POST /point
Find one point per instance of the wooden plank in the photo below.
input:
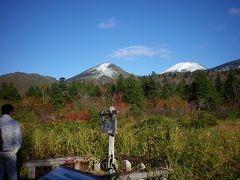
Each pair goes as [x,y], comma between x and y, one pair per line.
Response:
[52,162]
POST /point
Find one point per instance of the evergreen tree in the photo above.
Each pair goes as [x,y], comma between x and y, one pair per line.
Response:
[203,93]
[132,92]
[219,86]
[181,88]
[30,91]
[9,92]
[151,88]
[168,90]
[34,92]
[111,88]
[63,87]
[121,84]
[231,87]
[73,90]
[3,90]
[56,95]
[95,91]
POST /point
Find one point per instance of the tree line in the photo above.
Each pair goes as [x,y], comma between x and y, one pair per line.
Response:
[204,93]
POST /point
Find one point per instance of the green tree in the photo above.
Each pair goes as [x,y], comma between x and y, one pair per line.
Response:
[63,88]
[121,84]
[231,87]
[95,90]
[151,88]
[30,91]
[73,90]
[168,90]
[9,92]
[202,92]
[181,88]
[111,88]
[3,90]
[220,86]
[132,91]
[56,95]
[34,92]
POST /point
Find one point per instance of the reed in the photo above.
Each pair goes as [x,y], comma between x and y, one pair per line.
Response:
[203,153]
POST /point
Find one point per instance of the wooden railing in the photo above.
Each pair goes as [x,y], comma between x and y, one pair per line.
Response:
[161,172]
[33,164]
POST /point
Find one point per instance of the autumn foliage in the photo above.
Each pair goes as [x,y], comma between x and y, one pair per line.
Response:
[78,115]
[119,104]
[174,106]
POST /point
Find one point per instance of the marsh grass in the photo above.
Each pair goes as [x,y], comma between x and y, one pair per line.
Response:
[193,153]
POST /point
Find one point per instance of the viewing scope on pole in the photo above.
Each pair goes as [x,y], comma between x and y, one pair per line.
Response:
[109,126]
[109,120]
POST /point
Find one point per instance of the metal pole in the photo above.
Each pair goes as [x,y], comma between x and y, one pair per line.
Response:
[111,151]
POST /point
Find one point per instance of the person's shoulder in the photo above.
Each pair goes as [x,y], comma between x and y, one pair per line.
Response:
[14,122]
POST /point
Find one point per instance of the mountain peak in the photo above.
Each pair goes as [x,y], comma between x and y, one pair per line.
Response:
[104,70]
[185,67]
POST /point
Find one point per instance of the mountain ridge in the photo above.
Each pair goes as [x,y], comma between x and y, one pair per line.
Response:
[23,81]
[231,65]
[102,72]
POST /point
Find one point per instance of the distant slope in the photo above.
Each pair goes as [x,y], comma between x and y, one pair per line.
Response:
[184,67]
[22,81]
[100,72]
[232,65]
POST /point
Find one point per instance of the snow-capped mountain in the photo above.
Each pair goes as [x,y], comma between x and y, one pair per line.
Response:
[228,66]
[184,67]
[101,71]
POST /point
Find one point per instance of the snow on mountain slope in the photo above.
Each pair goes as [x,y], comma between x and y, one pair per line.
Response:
[184,67]
[102,70]
[105,70]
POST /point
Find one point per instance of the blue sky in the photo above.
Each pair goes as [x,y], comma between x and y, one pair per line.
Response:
[62,38]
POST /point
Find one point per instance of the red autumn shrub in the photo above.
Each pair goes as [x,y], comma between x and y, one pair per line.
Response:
[78,115]
[174,106]
[118,103]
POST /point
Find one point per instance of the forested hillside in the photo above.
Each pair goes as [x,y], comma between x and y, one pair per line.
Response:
[23,81]
[199,91]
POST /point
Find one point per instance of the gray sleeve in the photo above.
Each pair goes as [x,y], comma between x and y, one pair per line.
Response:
[17,138]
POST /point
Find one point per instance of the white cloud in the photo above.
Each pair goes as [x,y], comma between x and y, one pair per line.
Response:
[141,51]
[234,11]
[108,23]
